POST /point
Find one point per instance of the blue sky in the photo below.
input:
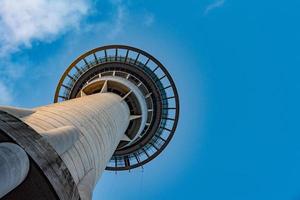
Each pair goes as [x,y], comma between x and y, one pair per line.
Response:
[236,66]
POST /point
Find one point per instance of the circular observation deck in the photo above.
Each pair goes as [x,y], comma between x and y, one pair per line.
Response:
[143,82]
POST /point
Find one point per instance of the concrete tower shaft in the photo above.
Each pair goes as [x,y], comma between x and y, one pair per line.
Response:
[87,128]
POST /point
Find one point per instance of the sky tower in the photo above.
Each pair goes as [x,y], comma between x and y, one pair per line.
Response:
[115,107]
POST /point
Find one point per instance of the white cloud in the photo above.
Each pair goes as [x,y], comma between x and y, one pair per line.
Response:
[5,94]
[214,5]
[25,21]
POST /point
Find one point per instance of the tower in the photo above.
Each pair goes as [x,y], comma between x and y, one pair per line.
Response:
[115,107]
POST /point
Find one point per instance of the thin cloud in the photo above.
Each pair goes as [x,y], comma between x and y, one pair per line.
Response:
[26,21]
[118,21]
[6,96]
[214,5]
[149,19]
[10,73]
